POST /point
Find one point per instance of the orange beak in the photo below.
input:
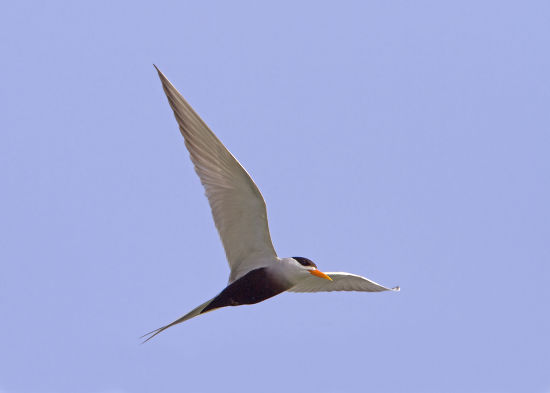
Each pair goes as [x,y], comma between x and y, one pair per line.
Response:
[319,274]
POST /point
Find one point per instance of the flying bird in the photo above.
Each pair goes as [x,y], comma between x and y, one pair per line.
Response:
[240,216]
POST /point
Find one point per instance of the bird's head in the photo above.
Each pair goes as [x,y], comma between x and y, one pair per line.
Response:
[309,266]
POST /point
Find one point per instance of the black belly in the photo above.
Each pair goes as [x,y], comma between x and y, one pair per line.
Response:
[253,287]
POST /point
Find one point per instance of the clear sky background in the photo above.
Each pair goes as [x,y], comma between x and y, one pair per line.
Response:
[405,141]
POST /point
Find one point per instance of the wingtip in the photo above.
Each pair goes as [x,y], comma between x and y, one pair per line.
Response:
[396,289]
[162,77]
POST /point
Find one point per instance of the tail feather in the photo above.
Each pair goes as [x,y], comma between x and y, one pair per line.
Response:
[193,313]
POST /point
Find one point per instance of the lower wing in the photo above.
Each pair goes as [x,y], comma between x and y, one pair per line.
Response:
[341,281]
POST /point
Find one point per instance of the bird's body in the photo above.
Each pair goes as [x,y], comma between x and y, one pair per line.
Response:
[239,212]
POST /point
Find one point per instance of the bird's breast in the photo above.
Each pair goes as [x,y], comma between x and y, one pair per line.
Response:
[254,287]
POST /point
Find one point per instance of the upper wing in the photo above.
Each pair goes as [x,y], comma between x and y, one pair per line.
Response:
[340,282]
[237,205]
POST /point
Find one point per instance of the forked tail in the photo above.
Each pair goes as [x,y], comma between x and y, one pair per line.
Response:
[193,313]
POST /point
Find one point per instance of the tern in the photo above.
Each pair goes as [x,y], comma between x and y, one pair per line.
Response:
[240,216]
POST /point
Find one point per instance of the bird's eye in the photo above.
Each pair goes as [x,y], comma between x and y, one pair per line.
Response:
[305,262]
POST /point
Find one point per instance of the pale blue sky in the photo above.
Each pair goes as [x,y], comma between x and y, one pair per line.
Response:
[405,141]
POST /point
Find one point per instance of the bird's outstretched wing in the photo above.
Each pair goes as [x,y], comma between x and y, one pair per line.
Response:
[237,205]
[340,282]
